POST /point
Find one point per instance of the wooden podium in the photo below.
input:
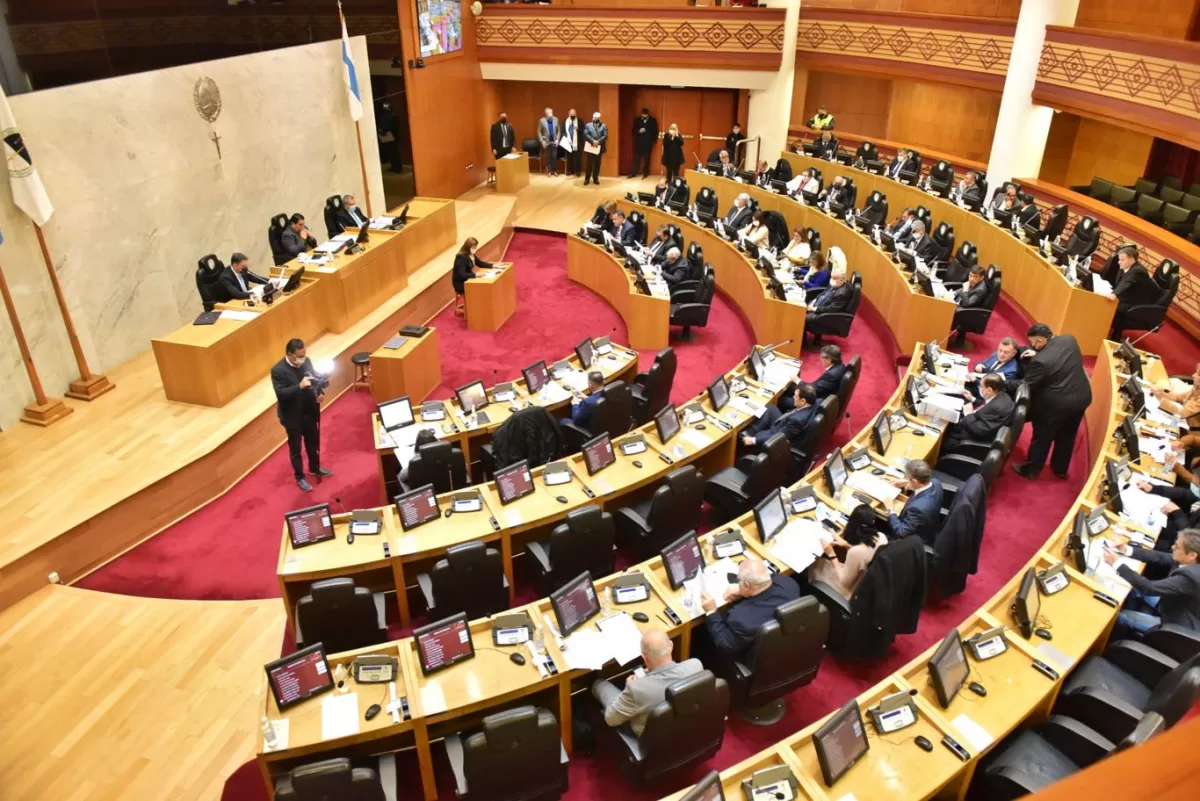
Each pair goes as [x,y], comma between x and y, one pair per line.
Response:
[413,369]
[491,300]
[512,173]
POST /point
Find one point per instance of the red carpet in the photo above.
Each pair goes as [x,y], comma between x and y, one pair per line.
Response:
[229,549]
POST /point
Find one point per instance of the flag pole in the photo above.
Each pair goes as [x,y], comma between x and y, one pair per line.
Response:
[43,411]
[362,165]
[351,74]
[89,386]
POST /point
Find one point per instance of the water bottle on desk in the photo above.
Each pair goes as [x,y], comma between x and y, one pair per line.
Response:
[268,732]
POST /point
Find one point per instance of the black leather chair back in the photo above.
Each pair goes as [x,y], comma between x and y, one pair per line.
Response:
[470,579]
[686,728]
[533,147]
[708,285]
[329,779]
[830,409]
[695,257]
[656,389]
[517,755]
[995,285]
[1084,238]
[867,152]
[768,469]
[814,239]
[275,238]
[960,266]
[1167,270]
[675,507]
[638,220]
[333,204]
[785,654]
[1175,693]
[783,170]
[849,382]
[680,193]
[941,177]
[851,193]
[675,235]
[706,202]
[613,413]
[339,614]
[440,464]
[778,227]
[875,210]
[208,274]
[583,543]
[1056,223]
[943,236]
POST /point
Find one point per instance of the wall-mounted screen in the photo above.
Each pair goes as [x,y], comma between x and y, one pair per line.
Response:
[439,24]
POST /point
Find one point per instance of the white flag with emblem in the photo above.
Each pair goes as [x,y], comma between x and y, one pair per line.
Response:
[28,192]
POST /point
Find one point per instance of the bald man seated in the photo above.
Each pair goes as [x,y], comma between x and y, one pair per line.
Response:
[754,600]
[642,693]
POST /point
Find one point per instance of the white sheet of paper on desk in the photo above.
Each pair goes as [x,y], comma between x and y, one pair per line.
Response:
[747,407]
[697,438]
[975,735]
[1143,508]
[941,407]
[623,637]
[230,314]
[874,486]
[586,649]
[576,380]
[552,393]
[433,698]
[716,577]
[511,156]
[1101,286]
[339,715]
[779,373]
[797,546]
[512,517]
[1154,447]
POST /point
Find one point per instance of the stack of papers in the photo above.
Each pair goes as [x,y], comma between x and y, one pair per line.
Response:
[941,407]
[799,544]
[551,393]
[780,372]
[748,407]
[1156,448]
[229,314]
[1143,508]
[1101,286]
[586,649]
[622,637]
[339,715]
[380,223]
[872,485]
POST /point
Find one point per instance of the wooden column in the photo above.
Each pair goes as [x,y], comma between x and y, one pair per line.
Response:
[610,115]
[43,411]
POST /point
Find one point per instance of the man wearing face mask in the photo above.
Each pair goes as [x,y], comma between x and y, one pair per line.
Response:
[298,391]
[350,215]
[596,135]
[502,137]
[571,130]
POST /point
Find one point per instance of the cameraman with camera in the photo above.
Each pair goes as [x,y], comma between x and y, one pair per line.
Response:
[298,389]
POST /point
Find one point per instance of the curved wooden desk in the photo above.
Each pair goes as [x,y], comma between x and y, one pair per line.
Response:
[647,318]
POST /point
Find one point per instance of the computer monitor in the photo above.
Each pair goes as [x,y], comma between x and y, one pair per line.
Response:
[1077,541]
[417,508]
[1132,390]
[707,789]
[926,284]
[585,352]
[948,668]
[718,393]
[757,369]
[575,603]
[444,643]
[1129,436]
[472,396]
[299,676]
[293,282]
[536,376]
[682,559]
[1027,603]
[666,423]
[1133,360]
[514,482]
[1113,483]
[364,235]
[395,413]
[929,357]
[835,472]
[309,525]
[841,742]
[770,515]
[881,433]
[912,396]
[598,454]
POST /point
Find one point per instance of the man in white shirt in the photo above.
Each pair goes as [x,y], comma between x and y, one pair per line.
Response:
[804,182]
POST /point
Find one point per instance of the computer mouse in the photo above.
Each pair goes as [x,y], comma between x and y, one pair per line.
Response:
[701,427]
[641,617]
[561,498]
[516,658]
[918,432]
[878,471]
[923,743]
[513,409]
[1044,634]
[448,512]
[636,463]
[977,688]
[373,710]
[350,538]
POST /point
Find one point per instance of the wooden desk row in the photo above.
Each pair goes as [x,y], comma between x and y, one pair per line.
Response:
[209,365]
[1016,693]
[646,317]
[1032,281]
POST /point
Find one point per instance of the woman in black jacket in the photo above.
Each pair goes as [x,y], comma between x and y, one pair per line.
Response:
[465,262]
[672,151]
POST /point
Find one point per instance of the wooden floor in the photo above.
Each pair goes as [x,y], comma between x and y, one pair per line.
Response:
[112,697]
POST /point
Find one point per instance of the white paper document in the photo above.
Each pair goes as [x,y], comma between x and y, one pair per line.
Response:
[588,147]
[799,544]
[575,379]
[1156,448]
[566,145]
[511,156]
[244,316]
[874,486]
[551,393]
[623,637]
[433,699]
[339,715]
[975,735]
[780,372]
[586,649]
[748,407]
[1143,508]
[697,438]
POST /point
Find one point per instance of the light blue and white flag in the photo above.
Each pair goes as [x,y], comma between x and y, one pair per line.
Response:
[27,190]
[349,73]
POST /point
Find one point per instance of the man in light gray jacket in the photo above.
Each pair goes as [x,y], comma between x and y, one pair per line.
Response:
[549,133]
[594,133]
[641,694]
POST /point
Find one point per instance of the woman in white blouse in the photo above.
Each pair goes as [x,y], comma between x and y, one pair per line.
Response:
[798,250]
[756,233]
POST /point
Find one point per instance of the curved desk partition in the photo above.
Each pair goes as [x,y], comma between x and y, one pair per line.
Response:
[645,316]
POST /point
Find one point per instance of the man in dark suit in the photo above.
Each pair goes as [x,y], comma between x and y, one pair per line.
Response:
[969,193]
[1059,393]
[1182,507]
[827,147]
[595,133]
[731,141]
[1135,287]
[973,294]
[793,424]
[659,245]
[837,195]
[502,137]
[298,391]
[899,164]
[1003,362]
[675,268]
[901,229]
[582,405]
[921,512]
[350,215]
[739,214]
[235,280]
[921,244]
[981,420]
[1174,600]
[754,600]
[834,300]
[1029,214]
[296,239]
[626,232]
[827,383]
[645,134]
[724,165]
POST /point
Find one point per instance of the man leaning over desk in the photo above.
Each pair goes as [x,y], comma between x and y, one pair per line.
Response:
[754,600]
[582,405]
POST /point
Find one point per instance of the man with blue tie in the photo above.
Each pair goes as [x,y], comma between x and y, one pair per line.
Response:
[794,424]
[350,215]
[920,516]
[898,165]
[581,406]
[1003,362]
[901,230]
[548,131]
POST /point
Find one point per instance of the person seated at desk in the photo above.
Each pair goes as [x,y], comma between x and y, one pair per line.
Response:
[660,192]
[798,251]
[921,511]
[837,297]
[819,271]
[1174,600]
[981,420]
[1029,214]
[1006,205]
[642,693]
[725,167]
[902,163]
[1135,287]
[1003,362]
[623,230]
[793,424]
[804,182]
[835,196]
[739,213]
[424,437]
[764,175]
[921,244]
[968,192]
[465,262]
[756,233]
[755,598]
[1182,404]
[675,268]
[974,293]
[822,120]
[659,245]
[296,239]
[236,279]
[832,371]
[901,229]
[350,215]
[602,218]
[826,147]
[582,405]
[1182,507]
[860,541]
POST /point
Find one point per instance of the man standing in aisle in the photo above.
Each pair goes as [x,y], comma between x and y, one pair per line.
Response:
[548,133]
[595,134]
[502,137]
[645,134]
[1059,394]
[298,390]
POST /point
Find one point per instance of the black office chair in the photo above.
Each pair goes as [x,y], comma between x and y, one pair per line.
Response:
[695,259]
[533,148]
[1085,238]
[675,235]
[584,543]
[1099,188]
[911,175]
[689,290]
[333,204]
[652,389]
[941,178]
[336,778]
[275,238]
[612,415]
[1165,273]
[867,152]
[874,212]
[686,728]
[943,237]
[954,554]
[1033,759]
[975,320]
[955,469]
[638,220]
[814,239]
[1056,223]
[849,382]
[695,312]
[340,615]
[836,323]
[680,195]
[532,434]
[777,225]
[517,755]
[783,170]
[802,454]
[673,510]
[829,410]
[208,275]
[734,490]
[706,205]
[470,579]
[440,464]
[924,215]
[1149,316]
[785,654]
[848,199]
[959,267]
[981,182]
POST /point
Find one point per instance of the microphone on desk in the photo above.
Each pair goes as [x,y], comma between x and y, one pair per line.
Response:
[1153,330]
[338,501]
[771,348]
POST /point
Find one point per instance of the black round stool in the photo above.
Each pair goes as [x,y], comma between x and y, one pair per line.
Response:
[362,370]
